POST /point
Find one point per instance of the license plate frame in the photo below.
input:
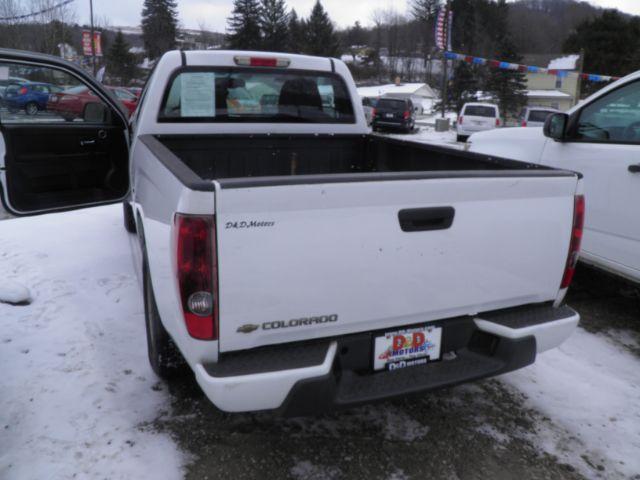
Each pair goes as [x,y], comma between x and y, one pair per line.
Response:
[385,357]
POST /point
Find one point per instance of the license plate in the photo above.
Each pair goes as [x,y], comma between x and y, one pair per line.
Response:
[407,348]
[389,115]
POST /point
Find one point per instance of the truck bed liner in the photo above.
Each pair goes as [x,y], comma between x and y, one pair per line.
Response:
[289,159]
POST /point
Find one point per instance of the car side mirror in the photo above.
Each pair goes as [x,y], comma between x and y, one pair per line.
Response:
[555,126]
[95,112]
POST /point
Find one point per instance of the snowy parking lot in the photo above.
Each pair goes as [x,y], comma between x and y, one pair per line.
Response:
[78,399]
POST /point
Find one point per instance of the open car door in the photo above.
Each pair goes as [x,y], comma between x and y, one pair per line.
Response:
[69,152]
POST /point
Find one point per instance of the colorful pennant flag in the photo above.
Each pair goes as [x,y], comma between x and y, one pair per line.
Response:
[522,68]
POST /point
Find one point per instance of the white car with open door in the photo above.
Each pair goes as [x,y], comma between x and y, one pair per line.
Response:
[295,261]
[600,139]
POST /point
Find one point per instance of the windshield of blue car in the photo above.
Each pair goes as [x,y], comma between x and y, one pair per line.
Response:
[256,95]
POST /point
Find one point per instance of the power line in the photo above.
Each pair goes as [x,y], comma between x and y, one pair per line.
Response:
[35,14]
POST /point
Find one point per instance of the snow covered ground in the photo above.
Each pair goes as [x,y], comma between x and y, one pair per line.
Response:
[77,398]
[427,134]
[76,391]
[589,388]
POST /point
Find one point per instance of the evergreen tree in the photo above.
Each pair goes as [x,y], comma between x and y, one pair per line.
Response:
[274,22]
[296,33]
[321,38]
[506,86]
[611,44]
[464,86]
[120,62]
[425,10]
[159,26]
[244,26]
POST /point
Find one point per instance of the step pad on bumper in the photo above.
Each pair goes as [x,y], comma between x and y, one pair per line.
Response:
[527,315]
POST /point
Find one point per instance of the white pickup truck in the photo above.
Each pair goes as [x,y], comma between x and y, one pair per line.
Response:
[600,138]
[294,260]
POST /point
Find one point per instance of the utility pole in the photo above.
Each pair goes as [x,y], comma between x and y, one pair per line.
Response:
[580,67]
[93,43]
[445,76]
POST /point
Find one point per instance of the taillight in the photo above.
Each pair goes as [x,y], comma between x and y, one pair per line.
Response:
[524,123]
[576,240]
[406,114]
[460,120]
[262,61]
[373,113]
[196,269]
[23,91]
[497,122]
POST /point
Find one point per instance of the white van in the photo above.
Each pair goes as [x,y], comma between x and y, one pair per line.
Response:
[535,116]
[477,117]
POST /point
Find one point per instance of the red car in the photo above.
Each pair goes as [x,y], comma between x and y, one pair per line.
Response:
[128,99]
[70,103]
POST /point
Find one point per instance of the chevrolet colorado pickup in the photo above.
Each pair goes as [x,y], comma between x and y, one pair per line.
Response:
[293,259]
[600,138]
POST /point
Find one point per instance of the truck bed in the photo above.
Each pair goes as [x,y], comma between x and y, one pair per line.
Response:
[368,233]
[248,158]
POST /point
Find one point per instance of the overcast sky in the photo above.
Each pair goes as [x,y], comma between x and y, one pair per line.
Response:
[213,13]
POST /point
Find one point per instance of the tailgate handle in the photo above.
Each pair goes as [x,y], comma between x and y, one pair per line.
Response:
[426,219]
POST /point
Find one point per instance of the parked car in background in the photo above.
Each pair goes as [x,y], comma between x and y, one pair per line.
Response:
[535,116]
[128,99]
[70,104]
[31,97]
[369,107]
[4,83]
[137,91]
[600,138]
[394,114]
[477,117]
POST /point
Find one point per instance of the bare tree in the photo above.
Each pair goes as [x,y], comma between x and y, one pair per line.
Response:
[10,32]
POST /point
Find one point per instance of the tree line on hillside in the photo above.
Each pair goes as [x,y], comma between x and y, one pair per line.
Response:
[268,25]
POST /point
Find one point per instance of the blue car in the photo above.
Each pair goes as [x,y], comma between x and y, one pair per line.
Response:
[31,97]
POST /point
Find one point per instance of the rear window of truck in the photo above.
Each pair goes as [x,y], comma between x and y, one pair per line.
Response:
[256,95]
[479,111]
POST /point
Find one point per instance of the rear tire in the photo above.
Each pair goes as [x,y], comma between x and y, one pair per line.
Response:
[31,108]
[127,214]
[164,357]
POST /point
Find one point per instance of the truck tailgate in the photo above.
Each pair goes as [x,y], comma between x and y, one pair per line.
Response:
[298,262]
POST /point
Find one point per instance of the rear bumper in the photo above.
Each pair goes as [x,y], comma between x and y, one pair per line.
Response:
[392,123]
[314,377]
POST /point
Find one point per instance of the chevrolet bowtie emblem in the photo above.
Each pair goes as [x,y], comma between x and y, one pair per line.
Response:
[248,328]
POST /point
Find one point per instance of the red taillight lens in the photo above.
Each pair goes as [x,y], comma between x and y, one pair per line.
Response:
[263,62]
[524,123]
[497,122]
[576,240]
[373,113]
[197,274]
[406,115]
[23,91]
[460,120]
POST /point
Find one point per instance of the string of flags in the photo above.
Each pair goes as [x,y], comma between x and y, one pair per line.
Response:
[524,68]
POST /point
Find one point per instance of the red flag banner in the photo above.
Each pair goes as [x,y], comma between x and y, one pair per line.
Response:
[86,43]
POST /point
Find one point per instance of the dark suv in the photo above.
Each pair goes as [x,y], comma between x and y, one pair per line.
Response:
[394,113]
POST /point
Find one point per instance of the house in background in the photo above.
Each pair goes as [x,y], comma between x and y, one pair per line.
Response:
[556,91]
[420,93]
